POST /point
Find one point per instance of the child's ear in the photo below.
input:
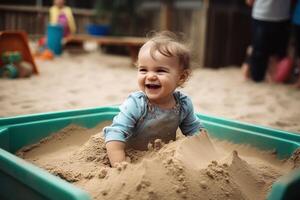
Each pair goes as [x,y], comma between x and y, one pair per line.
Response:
[183,77]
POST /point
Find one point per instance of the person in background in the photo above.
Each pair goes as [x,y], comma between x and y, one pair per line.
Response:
[157,110]
[62,15]
[270,35]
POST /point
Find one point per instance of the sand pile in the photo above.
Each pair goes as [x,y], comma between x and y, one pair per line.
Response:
[189,168]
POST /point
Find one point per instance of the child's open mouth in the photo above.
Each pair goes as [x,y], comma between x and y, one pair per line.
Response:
[153,86]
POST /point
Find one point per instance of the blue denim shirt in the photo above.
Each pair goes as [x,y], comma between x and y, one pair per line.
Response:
[140,122]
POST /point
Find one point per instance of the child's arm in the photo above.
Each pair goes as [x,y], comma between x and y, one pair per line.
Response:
[190,124]
[115,152]
[71,21]
[122,127]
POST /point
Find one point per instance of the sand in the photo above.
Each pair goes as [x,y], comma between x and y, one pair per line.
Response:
[94,79]
[188,168]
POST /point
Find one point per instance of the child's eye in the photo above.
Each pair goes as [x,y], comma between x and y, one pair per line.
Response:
[142,70]
[161,71]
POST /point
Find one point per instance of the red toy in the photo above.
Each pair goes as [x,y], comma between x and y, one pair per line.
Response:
[42,41]
[283,70]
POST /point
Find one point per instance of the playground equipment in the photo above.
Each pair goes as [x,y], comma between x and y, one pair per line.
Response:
[32,182]
[14,47]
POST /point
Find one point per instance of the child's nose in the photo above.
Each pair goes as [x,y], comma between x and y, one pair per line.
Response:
[151,76]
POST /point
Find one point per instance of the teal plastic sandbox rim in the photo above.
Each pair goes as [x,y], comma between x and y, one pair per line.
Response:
[284,142]
[32,182]
[11,130]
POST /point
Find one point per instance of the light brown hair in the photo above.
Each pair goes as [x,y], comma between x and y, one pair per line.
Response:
[168,44]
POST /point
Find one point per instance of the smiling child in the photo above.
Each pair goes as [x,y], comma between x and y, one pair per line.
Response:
[157,110]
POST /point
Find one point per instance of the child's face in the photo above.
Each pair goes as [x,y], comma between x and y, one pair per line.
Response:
[159,77]
[59,3]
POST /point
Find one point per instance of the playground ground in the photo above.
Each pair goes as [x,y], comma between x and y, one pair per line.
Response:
[78,81]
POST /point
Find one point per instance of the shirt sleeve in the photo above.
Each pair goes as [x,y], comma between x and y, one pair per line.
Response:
[124,123]
[190,123]
[53,15]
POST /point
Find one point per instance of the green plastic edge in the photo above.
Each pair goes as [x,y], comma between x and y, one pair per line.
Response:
[286,188]
[52,115]
[39,179]
[9,163]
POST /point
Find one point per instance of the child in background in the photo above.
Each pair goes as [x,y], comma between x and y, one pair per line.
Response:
[61,14]
[157,110]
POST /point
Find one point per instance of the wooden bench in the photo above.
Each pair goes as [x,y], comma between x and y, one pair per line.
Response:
[132,43]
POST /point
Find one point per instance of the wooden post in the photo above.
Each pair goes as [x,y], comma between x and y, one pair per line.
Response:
[166,12]
[203,31]
[198,33]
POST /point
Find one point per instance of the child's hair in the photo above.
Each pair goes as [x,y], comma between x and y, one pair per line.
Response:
[168,44]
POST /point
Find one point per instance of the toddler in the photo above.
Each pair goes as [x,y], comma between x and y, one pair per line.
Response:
[157,110]
[62,15]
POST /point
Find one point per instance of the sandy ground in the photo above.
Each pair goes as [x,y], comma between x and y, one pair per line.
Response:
[95,79]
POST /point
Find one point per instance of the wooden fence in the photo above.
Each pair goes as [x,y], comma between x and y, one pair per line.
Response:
[228,34]
[34,20]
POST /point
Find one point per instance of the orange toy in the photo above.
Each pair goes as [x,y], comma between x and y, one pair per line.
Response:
[46,55]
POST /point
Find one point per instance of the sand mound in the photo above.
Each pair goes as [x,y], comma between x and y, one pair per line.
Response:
[189,168]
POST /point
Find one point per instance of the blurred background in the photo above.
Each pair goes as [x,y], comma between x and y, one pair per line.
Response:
[220,30]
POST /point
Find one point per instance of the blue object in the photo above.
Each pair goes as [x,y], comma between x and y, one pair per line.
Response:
[98,30]
[296,14]
[54,38]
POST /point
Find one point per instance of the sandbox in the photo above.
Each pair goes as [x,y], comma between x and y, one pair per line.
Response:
[22,180]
